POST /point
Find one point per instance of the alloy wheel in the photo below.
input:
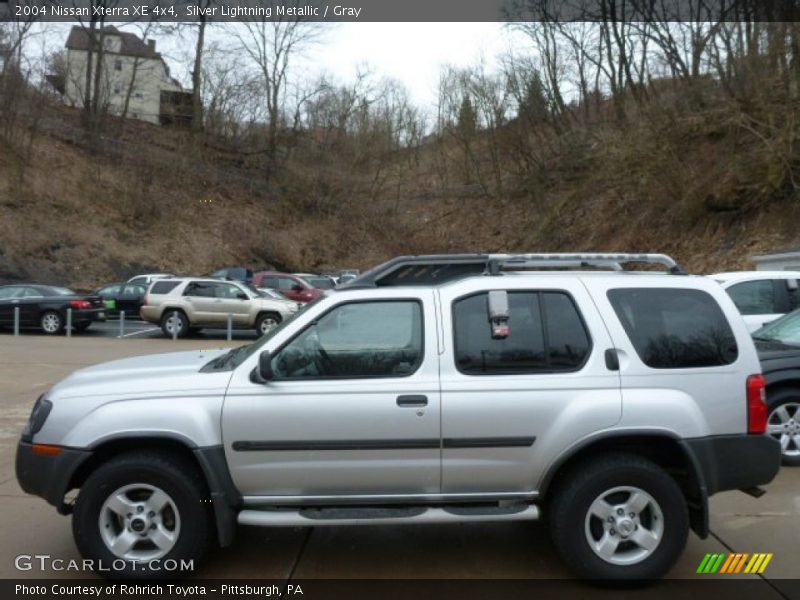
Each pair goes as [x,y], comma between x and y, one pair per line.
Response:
[624,525]
[784,425]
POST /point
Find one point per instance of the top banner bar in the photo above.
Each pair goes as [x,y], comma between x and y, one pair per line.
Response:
[123,11]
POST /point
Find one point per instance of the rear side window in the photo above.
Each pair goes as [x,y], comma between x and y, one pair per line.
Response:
[163,287]
[754,297]
[675,328]
[546,335]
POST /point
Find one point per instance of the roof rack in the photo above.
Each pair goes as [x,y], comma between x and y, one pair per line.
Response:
[434,269]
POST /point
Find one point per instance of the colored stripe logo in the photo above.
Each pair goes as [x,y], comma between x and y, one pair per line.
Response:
[732,564]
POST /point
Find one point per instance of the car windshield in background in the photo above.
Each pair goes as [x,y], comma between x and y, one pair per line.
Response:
[321,283]
[785,330]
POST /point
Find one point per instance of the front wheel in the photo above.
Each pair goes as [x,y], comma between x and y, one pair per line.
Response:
[141,515]
[619,517]
[783,424]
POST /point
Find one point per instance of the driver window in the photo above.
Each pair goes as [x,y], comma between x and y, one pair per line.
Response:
[364,339]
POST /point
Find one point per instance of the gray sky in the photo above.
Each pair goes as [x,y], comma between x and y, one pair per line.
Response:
[412,53]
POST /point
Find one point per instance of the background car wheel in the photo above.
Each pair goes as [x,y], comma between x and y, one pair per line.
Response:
[51,322]
[783,424]
[618,517]
[266,322]
[81,327]
[141,507]
[174,321]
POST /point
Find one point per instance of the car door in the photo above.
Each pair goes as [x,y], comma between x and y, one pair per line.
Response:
[758,301]
[201,298]
[353,408]
[511,403]
[30,301]
[130,299]
[8,300]
[231,300]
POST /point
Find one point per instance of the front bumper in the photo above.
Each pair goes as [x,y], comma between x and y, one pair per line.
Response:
[48,476]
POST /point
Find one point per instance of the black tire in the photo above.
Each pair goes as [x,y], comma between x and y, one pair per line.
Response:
[790,399]
[265,318]
[51,322]
[181,320]
[81,327]
[175,476]
[575,493]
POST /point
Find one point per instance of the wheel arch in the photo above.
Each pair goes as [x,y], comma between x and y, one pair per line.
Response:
[667,451]
[209,460]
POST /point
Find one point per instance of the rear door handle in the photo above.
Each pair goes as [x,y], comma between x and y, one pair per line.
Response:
[412,400]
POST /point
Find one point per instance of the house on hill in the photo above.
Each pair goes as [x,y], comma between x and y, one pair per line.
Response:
[135,81]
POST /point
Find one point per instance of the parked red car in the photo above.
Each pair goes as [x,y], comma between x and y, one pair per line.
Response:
[291,286]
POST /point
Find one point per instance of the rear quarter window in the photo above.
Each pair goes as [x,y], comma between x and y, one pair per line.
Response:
[675,328]
[163,287]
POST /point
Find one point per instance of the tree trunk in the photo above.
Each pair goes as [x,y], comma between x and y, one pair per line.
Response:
[197,73]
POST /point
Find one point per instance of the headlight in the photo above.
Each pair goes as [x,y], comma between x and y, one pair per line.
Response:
[41,409]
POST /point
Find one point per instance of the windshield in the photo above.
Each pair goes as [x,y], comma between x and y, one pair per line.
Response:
[321,283]
[233,358]
[785,330]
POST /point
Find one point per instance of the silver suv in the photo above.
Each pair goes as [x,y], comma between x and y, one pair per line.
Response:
[432,389]
[185,305]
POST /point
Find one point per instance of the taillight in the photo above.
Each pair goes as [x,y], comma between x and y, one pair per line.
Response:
[756,404]
[80,304]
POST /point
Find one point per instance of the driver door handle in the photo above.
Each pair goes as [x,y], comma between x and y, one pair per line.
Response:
[412,400]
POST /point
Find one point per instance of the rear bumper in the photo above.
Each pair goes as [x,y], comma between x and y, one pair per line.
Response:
[732,462]
[48,476]
[150,314]
[89,315]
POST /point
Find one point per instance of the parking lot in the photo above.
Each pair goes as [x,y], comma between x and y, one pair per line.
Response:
[30,364]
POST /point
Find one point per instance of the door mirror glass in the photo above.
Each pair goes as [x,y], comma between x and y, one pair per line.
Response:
[241,296]
[297,287]
[265,366]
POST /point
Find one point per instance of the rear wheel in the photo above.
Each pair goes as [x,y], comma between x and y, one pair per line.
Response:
[783,424]
[174,322]
[51,322]
[266,322]
[138,508]
[619,517]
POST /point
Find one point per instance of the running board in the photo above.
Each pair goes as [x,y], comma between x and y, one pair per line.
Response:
[319,517]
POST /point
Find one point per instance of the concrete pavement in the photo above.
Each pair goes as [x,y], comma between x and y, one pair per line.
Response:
[31,364]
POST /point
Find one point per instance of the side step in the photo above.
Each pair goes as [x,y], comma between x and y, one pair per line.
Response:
[319,517]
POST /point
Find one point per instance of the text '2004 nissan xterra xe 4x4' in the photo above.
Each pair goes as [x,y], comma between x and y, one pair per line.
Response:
[432,389]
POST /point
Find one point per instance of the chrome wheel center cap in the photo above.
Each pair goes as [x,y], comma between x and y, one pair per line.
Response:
[625,527]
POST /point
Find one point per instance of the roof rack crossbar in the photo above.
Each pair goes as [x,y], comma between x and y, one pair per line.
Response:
[493,264]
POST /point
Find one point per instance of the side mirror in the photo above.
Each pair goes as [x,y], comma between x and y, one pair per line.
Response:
[241,296]
[791,284]
[499,314]
[265,366]
[297,287]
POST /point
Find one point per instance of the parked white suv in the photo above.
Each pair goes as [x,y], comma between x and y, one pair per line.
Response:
[182,305]
[761,296]
[432,389]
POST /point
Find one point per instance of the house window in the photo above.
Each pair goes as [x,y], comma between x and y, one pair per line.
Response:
[118,65]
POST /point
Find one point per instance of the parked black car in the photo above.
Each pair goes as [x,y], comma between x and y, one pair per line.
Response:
[45,307]
[238,273]
[123,296]
[778,345]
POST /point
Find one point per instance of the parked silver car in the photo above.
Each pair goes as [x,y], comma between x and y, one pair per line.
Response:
[433,389]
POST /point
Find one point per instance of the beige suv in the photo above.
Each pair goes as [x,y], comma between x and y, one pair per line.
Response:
[184,305]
